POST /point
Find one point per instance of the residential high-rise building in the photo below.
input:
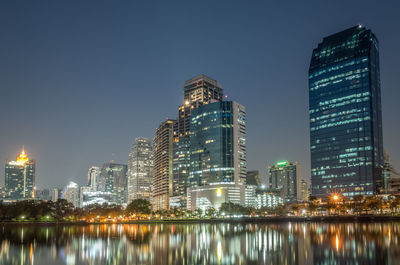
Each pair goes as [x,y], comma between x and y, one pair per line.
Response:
[286,177]
[20,178]
[162,170]
[71,193]
[94,178]
[217,147]
[115,181]
[198,91]
[305,191]
[140,170]
[345,114]
[55,194]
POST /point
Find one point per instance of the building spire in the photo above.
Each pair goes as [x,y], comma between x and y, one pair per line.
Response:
[22,158]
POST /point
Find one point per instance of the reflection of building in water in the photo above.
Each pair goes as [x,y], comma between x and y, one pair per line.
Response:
[354,243]
[228,244]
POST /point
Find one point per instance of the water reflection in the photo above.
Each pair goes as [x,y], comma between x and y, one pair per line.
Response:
[286,243]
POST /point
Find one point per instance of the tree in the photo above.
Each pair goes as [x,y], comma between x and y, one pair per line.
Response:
[138,206]
[296,208]
[357,203]
[313,204]
[373,203]
[395,203]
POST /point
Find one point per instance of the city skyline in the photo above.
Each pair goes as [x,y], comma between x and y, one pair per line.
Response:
[65,136]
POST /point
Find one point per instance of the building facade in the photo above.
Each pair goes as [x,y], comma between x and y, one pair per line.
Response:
[94,177]
[267,198]
[42,194]
[55,194]
[113,176]
[20,178]
[286,176]
[71,194]
[389,174]
[218,146]
[214,195]
[162,170]
[140,170]
[198,91]
[345,114]
[253,178]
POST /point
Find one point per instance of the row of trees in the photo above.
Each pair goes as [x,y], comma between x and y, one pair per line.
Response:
[62,210]
[343,205]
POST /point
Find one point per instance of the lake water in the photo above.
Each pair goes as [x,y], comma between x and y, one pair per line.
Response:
[283,243]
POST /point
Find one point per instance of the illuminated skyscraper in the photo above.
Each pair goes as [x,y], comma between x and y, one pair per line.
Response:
[217,152]
[286,177]
[345,114]
[162,171]
[140,168]
[20,178]
[218,144]
[198,91]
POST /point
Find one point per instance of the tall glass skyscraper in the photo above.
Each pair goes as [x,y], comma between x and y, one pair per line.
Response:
[218,144]
[345,114]
[140,168]
[115,181]
[217,171]
[198,91]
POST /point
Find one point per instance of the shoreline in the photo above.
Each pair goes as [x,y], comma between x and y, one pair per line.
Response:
[248,220]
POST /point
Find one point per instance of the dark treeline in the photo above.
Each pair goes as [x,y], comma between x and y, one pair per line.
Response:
[62,210]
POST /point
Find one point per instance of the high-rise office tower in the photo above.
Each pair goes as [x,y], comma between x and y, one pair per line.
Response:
[218,144]
[115,181]
[217,152]
[140,170]
[20,178]
[94,178]
[162,170]
[198,91]
[286,177]
[345,114]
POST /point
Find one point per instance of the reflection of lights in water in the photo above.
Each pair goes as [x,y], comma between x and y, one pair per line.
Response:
[31,254]
[219,251]
[337,243]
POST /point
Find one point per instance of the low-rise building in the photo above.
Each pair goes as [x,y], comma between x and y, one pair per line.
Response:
[214,195]
[268,198]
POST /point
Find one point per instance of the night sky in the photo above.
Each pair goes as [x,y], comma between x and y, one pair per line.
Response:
[80,80]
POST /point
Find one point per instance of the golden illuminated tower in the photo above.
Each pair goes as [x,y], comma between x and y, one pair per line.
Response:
[20,178]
